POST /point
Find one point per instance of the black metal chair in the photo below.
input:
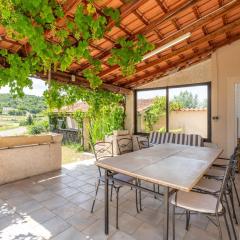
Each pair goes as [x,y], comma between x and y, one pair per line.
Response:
[125,145]
[103,150]
[143,142]
[217,173]
[203,203]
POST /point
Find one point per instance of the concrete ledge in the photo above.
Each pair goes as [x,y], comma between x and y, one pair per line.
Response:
[21,158]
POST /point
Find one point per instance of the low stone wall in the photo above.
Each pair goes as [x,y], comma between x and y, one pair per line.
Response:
[26,156]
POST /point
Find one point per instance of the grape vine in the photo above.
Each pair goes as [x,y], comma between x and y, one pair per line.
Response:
[53,47]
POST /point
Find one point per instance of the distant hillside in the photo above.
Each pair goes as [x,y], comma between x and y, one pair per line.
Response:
[29,103]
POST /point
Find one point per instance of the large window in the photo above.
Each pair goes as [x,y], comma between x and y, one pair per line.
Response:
[180,109]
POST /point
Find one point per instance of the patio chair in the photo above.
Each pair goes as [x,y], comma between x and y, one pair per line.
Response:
[101,151]
[203,203]
[125,145]
[217,173]
[143,142]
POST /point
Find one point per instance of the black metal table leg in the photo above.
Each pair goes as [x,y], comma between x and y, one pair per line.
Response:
[166,213]
[106,204]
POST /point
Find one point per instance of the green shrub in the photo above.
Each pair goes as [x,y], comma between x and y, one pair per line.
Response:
[38,128]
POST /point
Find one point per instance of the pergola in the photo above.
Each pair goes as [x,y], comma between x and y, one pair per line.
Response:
[211,24]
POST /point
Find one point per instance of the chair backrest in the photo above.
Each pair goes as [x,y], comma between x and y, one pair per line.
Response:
[125,145]
[224,184]
[102,150]
[143,142]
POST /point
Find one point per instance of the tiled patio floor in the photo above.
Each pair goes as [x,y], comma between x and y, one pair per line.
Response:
[57,206]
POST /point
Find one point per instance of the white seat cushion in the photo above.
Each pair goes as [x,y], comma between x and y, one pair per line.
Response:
[214,172]
[221,162]
[209,185]
[198,202]
[123,177]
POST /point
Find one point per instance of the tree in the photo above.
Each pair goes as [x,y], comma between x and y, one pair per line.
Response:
[187,100]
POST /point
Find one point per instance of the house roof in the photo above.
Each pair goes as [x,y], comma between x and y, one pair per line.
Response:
[76,106]
[212,24]
[143,104]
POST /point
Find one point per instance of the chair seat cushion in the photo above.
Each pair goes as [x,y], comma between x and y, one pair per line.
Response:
[123,177]
[221,162]
[198,202]
[209,185]
[214,172]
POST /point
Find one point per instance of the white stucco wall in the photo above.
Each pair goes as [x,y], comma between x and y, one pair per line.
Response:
[223,71]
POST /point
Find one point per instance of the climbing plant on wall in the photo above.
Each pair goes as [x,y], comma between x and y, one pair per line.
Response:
[54,46]
[105,113]
[157,110]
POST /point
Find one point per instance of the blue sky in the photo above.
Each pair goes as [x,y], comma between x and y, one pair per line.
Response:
[38,88]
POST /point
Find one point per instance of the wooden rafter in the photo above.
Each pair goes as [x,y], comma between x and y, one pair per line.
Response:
[210,23]
[189,28]
[160,72]
[150,27]
[80,81]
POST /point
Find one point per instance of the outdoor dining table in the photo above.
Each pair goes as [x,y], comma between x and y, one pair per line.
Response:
[171,166]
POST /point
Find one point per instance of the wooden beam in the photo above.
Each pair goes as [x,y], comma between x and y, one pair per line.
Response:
[142,80]
[127,9]
[80,81]
[180,68]
[161,71]
[189,28]
[187,47]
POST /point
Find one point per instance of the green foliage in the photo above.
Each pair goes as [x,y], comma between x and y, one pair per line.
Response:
[38,127]
[187,100]
[34,20]
[29,119]
[27,103]
[114,14]
[105,112]
[16,112]
[129,54]
[158,109]
[78,117]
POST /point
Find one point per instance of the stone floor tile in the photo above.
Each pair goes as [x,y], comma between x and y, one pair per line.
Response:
[96,231]
[79,198]
[67,210]
[54,202]
[82,220]
[146,231]
[87,188]
[121,236]
[70,234]
[67,192]
[43,196]
[53,227]
[29,207]
[41,215]
[87,205]
[128,223]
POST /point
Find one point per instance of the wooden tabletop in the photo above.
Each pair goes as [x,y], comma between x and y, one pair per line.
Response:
[176,166]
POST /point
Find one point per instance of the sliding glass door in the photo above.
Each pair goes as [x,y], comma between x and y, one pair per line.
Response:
[151,110]
[179,109]
[188,110]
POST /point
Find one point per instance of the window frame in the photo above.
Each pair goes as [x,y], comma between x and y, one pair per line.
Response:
[167,88]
